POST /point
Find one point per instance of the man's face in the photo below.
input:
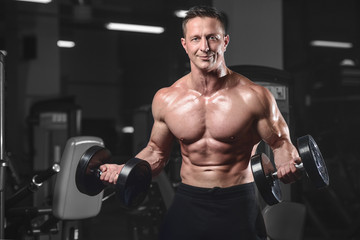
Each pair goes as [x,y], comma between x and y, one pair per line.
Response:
[205,43]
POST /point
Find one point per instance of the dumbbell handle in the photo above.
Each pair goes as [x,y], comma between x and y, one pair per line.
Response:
[299,166]
[97,172]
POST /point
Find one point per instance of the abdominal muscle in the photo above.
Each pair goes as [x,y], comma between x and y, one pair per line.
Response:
[208,166]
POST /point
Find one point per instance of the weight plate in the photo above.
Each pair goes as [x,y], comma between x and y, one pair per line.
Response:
[313,161]
[269,188]
[86,178]
[134,182]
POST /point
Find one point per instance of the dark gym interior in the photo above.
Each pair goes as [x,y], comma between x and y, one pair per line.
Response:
[103,86]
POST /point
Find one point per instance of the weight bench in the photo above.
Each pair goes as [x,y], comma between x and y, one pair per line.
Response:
[68,202]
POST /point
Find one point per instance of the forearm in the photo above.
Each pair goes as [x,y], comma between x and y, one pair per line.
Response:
[156,158]
[284,151]
[151,153]
[277,135]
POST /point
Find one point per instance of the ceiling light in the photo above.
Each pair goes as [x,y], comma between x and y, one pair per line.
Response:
[347,62]
[134,28]
[128,129]
[333,44]
[180,13]
[65,44]
[36,1]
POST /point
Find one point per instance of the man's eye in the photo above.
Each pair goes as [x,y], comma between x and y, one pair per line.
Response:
[195,39]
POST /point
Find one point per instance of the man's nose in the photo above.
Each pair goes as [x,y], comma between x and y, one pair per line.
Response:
[204,45]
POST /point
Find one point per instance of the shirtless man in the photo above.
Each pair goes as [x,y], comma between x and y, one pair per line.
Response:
[217,116]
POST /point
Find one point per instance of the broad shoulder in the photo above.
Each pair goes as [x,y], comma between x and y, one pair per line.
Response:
[166,96]
[246,84]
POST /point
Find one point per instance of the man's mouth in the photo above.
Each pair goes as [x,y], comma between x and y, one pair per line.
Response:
[205,57]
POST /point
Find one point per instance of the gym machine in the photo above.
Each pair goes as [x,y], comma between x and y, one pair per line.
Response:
[50,123]
[68,204]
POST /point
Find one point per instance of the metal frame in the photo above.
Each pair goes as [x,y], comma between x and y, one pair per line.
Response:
[3,162]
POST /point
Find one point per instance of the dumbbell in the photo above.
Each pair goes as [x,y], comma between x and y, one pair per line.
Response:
[312,163]
[131,186]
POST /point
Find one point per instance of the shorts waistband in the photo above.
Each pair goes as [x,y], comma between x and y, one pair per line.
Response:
[246,189]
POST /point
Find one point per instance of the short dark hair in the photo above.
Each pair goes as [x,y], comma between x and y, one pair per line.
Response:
[204,11]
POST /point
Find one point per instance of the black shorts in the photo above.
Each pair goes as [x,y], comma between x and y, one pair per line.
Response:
[214,214]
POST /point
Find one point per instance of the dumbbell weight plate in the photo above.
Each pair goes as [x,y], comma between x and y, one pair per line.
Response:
[313,161]
[134,182]
[268,187]
[86,180]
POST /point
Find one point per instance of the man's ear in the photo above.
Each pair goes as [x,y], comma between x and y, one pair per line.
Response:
[226,41]
[183,43]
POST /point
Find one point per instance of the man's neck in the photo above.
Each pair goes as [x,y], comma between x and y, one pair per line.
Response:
[207,83]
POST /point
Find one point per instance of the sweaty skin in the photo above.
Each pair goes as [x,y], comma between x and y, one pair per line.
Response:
[217,116]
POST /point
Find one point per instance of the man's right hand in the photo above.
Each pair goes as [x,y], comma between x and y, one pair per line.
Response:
[110,172]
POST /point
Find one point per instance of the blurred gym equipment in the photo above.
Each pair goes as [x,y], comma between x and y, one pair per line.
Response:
[285,221]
